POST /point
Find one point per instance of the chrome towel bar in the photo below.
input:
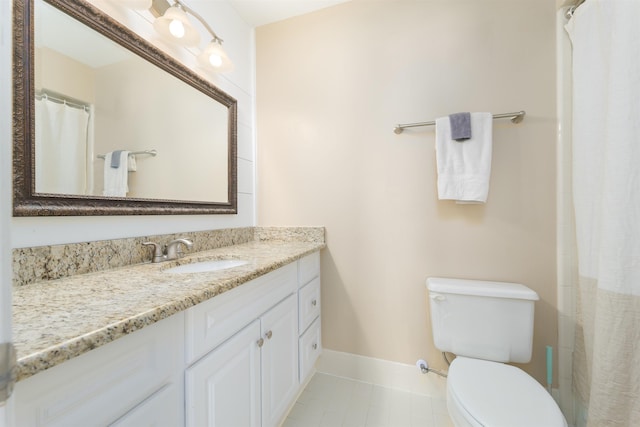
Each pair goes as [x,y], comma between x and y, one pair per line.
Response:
[516,117]
[149,152]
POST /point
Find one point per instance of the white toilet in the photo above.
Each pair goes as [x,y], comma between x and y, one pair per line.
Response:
[486,324]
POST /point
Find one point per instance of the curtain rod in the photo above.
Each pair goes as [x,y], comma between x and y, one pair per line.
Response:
[61,99]
[516,117]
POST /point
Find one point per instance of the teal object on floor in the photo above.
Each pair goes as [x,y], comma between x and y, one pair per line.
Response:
[549,367]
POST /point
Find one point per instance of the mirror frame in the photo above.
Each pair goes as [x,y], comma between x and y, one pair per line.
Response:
[26,202]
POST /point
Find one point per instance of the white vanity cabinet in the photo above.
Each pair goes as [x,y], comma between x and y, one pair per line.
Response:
[129,379]
[238,359]
[250,377]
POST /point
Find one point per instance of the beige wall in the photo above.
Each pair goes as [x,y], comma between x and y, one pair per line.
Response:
[141,107]
[64,75]
[330,88]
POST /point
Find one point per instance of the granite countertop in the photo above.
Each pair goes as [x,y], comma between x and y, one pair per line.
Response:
[57,320]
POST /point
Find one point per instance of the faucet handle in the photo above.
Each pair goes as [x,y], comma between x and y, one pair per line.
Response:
[157,251]
[174,250]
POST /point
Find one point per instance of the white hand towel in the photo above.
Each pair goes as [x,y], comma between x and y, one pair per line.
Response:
[464,167]
[115,179]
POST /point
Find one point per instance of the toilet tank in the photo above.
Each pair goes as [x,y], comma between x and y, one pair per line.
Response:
[482,320]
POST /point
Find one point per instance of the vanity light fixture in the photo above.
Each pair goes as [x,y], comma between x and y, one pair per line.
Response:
[174,25]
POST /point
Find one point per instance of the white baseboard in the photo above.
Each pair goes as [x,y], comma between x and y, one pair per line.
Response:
[384,373]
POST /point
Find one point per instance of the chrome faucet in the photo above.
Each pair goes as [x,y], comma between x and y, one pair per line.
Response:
[174,250]
[168,252]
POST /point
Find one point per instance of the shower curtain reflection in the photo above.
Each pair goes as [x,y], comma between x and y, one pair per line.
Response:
[63,148]
[606,187]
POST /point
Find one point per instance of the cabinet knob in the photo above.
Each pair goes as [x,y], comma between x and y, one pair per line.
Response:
[268,335]
[315,346]
[260,342]
[314,303]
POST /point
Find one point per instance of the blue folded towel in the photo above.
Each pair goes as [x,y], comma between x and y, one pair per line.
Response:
[115,159]
[460,126]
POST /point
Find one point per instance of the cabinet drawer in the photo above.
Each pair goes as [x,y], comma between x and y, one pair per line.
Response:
[212,322]
[310,347]
[102,385]
[308,268]
[309,303]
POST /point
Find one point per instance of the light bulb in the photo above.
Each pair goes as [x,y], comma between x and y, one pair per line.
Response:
[215,60]
[174,25]
[176,28]
[214,57]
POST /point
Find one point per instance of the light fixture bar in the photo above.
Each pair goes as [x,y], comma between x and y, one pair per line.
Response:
[201,19]
[213,56]
[159,7]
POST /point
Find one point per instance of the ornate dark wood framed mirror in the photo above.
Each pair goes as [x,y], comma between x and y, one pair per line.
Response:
[194,171]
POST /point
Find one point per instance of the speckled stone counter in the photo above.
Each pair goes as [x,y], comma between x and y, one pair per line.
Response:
[57,320]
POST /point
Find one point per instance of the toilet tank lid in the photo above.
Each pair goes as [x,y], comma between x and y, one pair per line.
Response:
[481,288]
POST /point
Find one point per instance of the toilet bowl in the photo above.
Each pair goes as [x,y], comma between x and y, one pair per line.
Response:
[486,324]
[481,393]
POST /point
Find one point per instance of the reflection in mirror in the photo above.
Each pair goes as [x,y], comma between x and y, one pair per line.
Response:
[111,122]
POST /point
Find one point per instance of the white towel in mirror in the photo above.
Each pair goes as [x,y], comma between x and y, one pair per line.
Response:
[115,179]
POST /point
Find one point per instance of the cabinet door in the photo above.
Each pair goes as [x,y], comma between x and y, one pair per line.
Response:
[279,360]
[223,388]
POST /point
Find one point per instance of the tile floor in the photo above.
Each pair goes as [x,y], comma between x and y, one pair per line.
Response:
[330,401]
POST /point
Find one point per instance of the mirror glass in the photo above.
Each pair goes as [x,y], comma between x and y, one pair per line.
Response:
[120,126]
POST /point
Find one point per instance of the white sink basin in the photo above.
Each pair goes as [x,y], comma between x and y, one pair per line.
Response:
[206,266]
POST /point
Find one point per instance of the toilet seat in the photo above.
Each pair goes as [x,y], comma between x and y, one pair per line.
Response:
[492,394]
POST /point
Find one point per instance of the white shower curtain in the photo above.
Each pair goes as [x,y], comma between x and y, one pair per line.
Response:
[61,148]
[605,35]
